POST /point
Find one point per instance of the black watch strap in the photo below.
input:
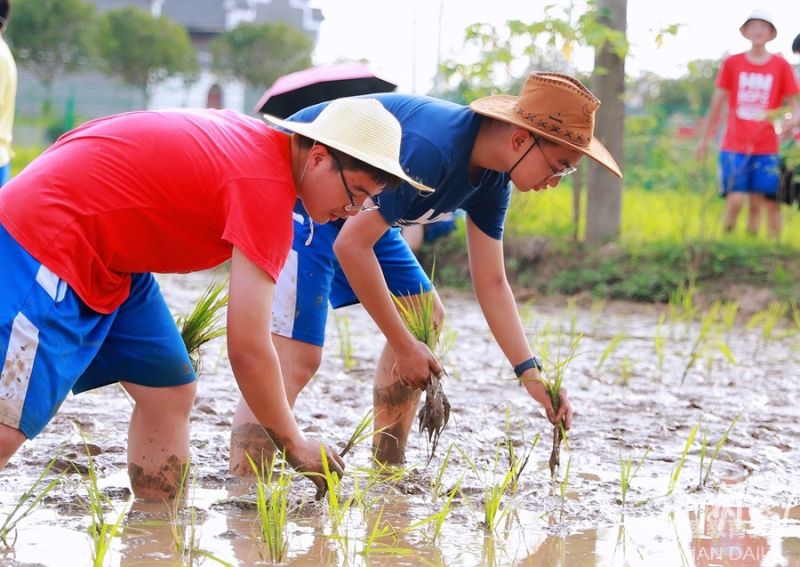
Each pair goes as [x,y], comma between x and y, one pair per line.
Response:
[532,362]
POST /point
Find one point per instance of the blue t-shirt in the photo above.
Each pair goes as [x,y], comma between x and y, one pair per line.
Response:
[438,137]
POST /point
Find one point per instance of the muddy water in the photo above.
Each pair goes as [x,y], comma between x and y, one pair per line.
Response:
[747,514]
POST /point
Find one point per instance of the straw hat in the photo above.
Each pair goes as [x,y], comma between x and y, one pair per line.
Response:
[556,107]
[764,16]
[359,127]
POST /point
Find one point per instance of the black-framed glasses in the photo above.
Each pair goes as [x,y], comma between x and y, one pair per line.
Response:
[353,206]
[568,170]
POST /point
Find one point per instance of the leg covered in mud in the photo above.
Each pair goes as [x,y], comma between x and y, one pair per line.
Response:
[299,362]
[11,439]
[158,439]
[395,406]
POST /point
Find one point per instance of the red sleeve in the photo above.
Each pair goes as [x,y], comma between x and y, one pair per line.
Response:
[259,221]
[725,76]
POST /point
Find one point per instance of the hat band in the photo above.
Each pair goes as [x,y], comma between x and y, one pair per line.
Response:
[553,128]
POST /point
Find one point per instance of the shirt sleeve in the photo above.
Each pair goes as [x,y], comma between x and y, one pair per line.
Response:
[422,161]
[488,208]
[259,221]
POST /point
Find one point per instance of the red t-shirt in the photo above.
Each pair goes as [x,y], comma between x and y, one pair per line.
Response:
[752,91]
[168,191]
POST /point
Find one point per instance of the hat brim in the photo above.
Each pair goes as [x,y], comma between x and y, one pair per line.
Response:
[501,107]
[310,130]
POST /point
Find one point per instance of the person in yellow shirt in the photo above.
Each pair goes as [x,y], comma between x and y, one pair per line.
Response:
[8,95]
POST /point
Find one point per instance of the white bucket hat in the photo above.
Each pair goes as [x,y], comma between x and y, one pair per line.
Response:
[359,127]
[764,16]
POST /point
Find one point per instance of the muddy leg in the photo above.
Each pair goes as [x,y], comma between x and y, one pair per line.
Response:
[395,406]
[299,362]
[10,440]
[158,439]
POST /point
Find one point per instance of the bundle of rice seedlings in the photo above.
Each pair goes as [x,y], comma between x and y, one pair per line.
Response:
[552,378]
[417,314]
[203,323]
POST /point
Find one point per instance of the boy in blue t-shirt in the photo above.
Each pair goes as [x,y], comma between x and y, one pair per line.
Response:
[469,155]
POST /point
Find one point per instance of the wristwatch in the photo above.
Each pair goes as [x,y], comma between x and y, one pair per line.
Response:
[532,362]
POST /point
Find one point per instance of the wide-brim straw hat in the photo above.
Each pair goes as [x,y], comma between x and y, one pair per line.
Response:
[764,16]
[359,127]
[556,107]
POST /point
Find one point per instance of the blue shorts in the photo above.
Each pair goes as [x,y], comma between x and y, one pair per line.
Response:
[312,278]
[5,173]
[742,173]
[51,342]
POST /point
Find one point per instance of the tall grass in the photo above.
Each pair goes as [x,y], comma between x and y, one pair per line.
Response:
[647,217]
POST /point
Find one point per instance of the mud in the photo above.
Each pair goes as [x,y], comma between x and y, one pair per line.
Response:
[748,513]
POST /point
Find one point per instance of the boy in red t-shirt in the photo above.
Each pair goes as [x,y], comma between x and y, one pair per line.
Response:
[83,227]
[751,84]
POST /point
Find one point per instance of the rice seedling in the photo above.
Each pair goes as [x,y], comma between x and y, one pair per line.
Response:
[272,503]
[345,341]
[708,339]
[572,312]
[616,340]
[676,473]
[436,520]
[518,462]
[203,324]
[682,307]
[337,507]
[493,511]
[598,307]
[728,313]
[767,319]
[184,528]
[706,473]
[562,487]
[552,378]
[625,371]
[436,483]
[28,501]
[795,306]
[418,317]
[101,530]
[625,474]
[659,343]
[374,544]
[361,433]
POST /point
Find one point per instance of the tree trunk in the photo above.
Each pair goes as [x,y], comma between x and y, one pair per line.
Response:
[604,190]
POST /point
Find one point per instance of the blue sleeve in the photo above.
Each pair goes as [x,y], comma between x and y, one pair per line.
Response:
[422,160]
[487,209]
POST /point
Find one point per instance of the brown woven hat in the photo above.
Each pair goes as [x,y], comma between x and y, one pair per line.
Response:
[556,107]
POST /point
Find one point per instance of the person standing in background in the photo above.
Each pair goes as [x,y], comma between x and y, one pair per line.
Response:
[8,95]
[750,84]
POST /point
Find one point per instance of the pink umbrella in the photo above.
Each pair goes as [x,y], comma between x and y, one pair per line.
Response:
[300,89]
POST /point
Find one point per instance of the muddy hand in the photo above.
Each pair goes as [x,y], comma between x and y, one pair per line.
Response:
[415,364]
[564,410]
[306,458]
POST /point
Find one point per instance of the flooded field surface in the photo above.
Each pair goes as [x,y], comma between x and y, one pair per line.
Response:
[700,407]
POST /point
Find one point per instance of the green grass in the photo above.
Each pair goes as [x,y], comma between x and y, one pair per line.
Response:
[668,238]
[204,323]
[28,502]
